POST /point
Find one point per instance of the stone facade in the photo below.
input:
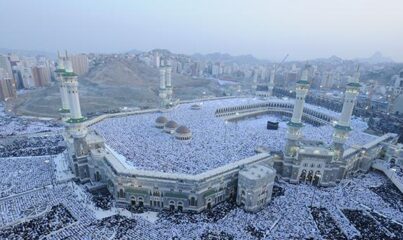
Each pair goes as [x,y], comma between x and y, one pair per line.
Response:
[255,186]
[158,190]
[394,154]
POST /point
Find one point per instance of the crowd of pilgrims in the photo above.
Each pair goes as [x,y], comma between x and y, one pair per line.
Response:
[102,198]
[399,173]
[347,210]
[214,142]
[57,217]
[25,173]
[390,194]
[34,206]
[32,146]
[14,125]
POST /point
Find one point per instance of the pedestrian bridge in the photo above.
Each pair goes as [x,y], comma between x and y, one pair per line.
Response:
[381,165]
[309,115]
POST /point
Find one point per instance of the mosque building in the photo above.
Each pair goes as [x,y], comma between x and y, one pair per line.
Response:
[217,159]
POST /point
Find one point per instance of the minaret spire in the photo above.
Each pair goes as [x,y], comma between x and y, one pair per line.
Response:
[163,90]
[350,95]
[77,129]
[294,125]
[60,70]
[168,80]
[342,127]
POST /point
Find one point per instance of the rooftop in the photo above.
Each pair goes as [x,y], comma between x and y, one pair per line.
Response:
[214,142]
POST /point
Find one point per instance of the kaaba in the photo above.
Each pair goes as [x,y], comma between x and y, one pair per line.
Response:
[272,125]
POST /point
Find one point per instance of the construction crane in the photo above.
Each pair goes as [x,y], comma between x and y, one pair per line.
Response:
[270,85]
[281,63]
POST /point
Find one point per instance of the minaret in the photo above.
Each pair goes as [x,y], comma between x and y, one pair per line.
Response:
[342,127]
[294,126]
[254,82]
[65,109]
[163,91]
[77,129]
[168,79]
[270,87]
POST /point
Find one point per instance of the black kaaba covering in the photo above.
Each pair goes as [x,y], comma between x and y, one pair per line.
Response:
[272,125]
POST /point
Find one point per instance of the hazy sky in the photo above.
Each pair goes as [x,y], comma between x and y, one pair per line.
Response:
[265,28]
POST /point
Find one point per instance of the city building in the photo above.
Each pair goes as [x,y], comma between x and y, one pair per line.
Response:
[398,84]
[5,65]
[27,77]
[395,94]
[80,63]
[7,87]
[15,66]
[41,76]
[291,76]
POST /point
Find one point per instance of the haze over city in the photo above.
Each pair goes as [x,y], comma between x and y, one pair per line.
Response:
[264,28]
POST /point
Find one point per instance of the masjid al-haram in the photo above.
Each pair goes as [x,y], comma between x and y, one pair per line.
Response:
[244,167]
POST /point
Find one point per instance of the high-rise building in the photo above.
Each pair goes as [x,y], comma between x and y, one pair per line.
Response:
[6,66]
[270,86]
[7,87]
[215,71]
[27,77]
[291,76]
[41,75]
[15,66]
[80,63]
[398,84]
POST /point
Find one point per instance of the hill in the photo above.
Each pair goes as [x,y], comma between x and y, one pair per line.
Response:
[227,58]
[114,84]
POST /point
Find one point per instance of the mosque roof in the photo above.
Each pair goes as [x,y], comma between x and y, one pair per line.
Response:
[182,130]
[171,124]
[161,119]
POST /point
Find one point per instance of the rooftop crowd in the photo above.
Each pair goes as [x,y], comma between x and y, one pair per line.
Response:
[214,142]
[34,206]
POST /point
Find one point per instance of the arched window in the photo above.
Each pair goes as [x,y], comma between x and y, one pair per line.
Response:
[97,176]
[193,201]
[121,193]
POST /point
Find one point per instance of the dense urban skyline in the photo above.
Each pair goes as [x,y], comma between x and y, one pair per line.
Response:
[266,29]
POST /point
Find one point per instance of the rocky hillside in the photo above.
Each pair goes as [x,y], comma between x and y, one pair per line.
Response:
[116,83]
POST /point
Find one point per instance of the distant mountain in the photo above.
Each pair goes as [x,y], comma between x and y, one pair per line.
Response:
[227,58]
[29,53]
[330,60]
[134,51]
[377,57]
[335,58]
